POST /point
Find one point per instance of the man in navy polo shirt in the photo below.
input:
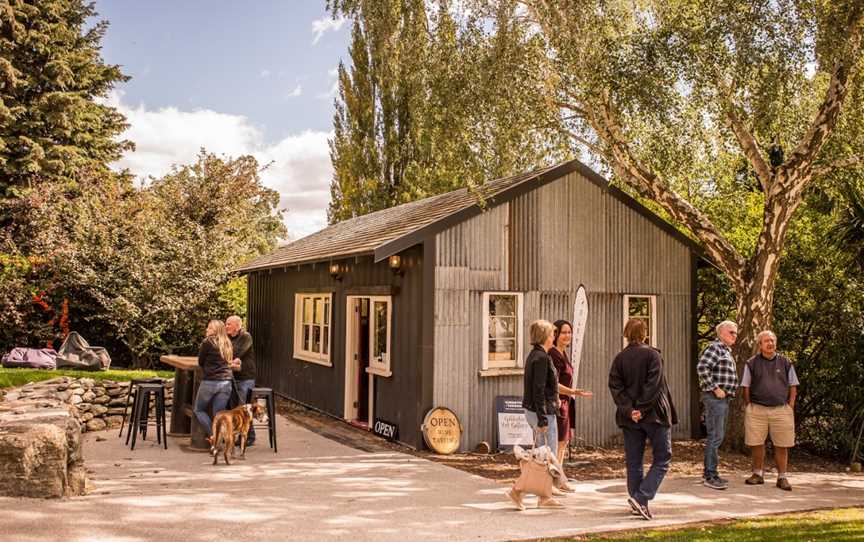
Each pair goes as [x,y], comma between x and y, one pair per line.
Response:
[770,386]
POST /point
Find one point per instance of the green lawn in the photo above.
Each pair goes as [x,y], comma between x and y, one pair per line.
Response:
[846,524]
[10,378]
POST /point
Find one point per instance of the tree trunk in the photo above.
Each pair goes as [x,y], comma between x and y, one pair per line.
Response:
[754,313]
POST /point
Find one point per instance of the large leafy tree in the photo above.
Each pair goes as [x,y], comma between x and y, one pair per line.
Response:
[429,103]
[704,107]
[819,314]
[51,75]
[153,262]
[142,269]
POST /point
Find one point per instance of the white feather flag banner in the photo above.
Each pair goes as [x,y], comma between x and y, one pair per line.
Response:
[580,319]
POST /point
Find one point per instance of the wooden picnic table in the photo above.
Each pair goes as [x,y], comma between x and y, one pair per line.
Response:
[187,378]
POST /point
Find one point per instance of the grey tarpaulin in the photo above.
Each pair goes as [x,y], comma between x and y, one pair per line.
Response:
[77,354]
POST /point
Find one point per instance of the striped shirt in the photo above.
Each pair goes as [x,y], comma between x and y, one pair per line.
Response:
[716,369]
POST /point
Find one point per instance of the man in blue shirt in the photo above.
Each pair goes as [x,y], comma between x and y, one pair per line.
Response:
[718,381]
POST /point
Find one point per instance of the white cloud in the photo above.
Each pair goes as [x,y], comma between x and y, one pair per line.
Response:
[330,93]
[325,24]
[333,82]
[296,91]
[299,165]
[264,74]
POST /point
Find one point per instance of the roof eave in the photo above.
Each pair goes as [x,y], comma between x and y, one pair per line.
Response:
[251,269]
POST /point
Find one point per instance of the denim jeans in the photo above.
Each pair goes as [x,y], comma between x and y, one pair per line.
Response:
[211,393]
[640,486]
[244,387]
[716,411]
[550,437]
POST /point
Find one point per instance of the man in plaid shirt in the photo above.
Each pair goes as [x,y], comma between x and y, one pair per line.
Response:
[718,380]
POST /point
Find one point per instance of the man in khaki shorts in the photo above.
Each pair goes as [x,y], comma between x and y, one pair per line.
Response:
[770,386]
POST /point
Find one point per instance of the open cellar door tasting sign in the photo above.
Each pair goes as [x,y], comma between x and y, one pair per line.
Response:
[442,430]
[512,426]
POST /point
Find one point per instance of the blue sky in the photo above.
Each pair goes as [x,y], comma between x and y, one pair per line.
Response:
[235,77]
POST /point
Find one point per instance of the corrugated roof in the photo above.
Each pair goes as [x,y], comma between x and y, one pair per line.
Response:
[391,230]
[362,235]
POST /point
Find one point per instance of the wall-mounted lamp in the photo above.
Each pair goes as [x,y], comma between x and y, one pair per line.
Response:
[335,271]
[395,262]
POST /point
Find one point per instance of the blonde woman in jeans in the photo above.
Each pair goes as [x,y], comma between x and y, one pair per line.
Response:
[215,388]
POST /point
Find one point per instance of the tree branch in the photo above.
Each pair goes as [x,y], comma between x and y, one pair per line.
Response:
[856,160]
[749,145]
[604,121]
[590,145]
[826,118]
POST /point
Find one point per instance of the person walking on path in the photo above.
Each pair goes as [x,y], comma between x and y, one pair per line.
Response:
[243,363]
[215,389]
[718,381]
[645,411]
[540,397]
[770,387]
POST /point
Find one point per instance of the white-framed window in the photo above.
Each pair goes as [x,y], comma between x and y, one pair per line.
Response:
[502,330]
[643,307]
[380,309]
[312,325]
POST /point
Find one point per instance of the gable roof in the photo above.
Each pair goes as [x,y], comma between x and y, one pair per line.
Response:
[389,231]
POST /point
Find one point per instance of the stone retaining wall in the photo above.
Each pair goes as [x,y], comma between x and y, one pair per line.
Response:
[40,432]
[95,404]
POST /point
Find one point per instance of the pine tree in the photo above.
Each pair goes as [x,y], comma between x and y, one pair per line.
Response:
[51,77]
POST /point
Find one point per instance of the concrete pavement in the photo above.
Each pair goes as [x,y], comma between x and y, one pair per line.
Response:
[318,489]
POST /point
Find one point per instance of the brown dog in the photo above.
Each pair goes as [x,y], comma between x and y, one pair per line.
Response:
[227,424]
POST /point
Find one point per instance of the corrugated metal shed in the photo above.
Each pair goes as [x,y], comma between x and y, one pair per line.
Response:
[545,243]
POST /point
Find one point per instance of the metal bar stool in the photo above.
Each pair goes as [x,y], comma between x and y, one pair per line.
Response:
[141,408]
[267,395]
[130,398]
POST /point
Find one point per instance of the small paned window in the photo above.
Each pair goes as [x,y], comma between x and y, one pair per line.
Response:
[502,325]
[379,336]
[312,327]
[643,307]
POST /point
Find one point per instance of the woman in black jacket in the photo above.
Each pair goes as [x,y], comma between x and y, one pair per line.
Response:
[215,389]
[540,397]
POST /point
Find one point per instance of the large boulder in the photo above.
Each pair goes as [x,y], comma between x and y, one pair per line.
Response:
[41,451]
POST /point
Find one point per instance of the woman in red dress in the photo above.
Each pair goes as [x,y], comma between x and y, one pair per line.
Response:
[566,416]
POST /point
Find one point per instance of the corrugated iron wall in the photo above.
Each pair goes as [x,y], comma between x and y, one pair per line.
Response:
[549,241]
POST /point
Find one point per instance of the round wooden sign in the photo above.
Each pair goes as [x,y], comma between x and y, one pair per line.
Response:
[442,430]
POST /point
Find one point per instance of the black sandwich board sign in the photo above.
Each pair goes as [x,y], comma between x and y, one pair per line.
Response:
[512,427]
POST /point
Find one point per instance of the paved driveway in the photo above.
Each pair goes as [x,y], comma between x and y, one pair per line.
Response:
[318,489]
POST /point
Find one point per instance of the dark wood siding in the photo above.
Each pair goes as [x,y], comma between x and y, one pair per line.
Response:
[400,398]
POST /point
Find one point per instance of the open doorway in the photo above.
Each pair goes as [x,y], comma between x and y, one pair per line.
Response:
[358,382]
[367,353]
